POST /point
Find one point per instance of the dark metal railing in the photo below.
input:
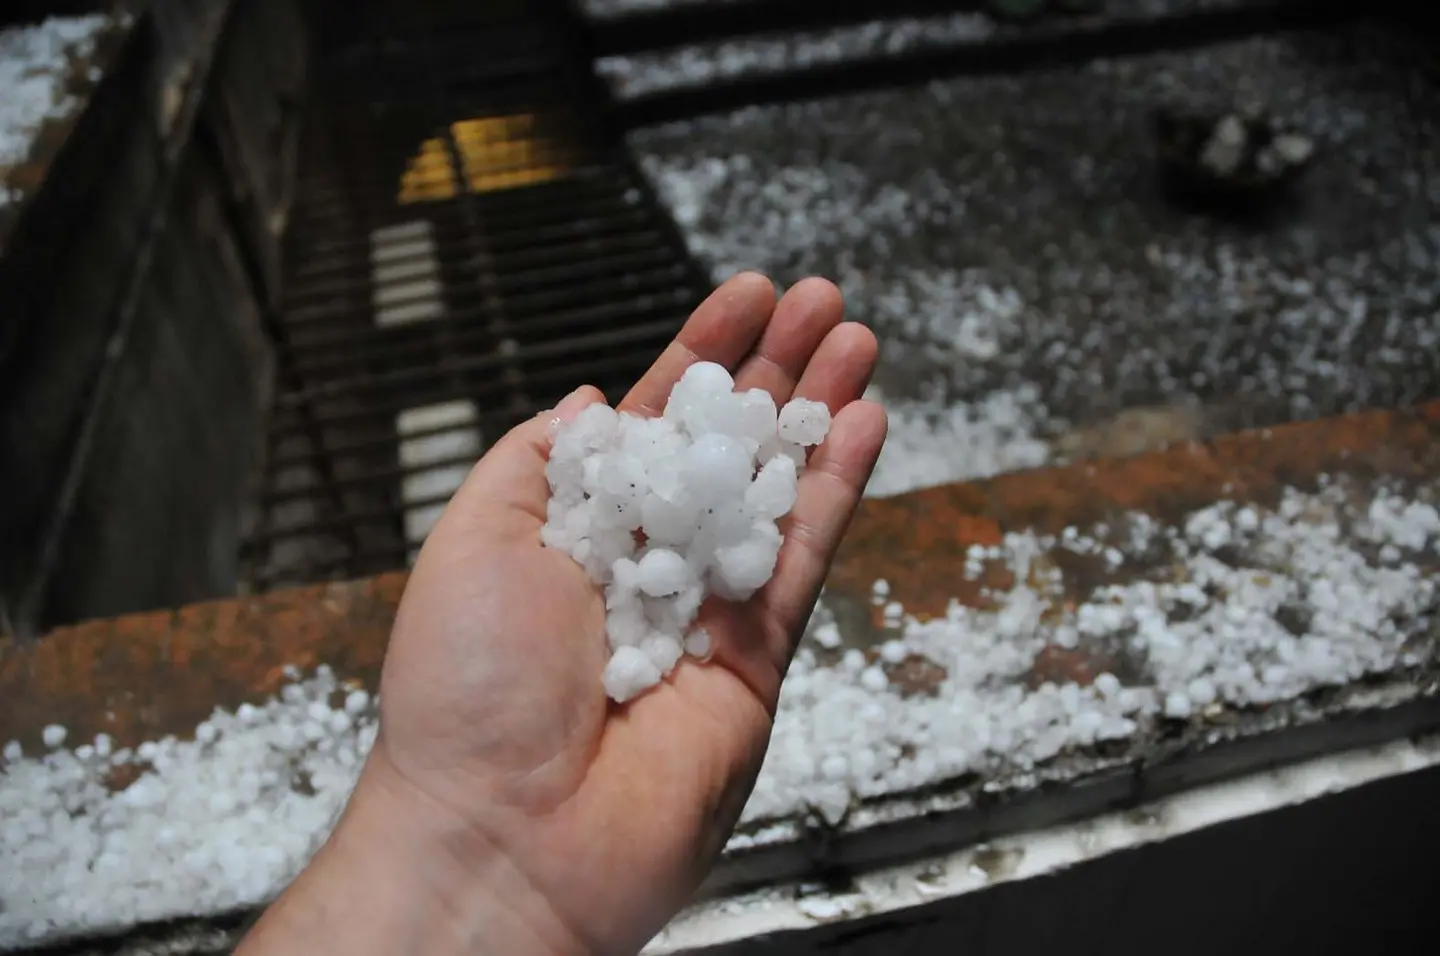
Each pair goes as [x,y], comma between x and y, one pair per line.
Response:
[530,256]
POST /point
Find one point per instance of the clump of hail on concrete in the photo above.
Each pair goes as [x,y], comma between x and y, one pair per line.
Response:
[1266,605]
[663,512]
[103,837]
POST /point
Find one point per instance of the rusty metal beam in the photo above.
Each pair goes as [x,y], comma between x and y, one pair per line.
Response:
[917,542]
[144,676]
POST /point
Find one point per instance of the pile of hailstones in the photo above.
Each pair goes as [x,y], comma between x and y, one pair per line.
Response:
[663,512]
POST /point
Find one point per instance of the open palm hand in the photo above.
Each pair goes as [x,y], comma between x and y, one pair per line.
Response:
[593,823]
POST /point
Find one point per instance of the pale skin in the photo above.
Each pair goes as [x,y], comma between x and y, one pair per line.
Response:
[508,806]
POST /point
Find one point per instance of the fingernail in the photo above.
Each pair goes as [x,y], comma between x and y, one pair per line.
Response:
[571,404]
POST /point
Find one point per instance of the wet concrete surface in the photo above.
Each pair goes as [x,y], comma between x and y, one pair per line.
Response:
[1009,230]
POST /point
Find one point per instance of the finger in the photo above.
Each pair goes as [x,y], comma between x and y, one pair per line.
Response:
[722,329]
[508,482]
[830,491]
[805,315]
[836,375]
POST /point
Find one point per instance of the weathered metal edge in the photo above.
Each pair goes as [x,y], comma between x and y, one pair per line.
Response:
[150,675]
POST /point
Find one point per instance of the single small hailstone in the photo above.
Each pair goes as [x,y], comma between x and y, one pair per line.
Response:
[669,522]
[629,673]
[863,762]
[1201,692]
[776,448]
[703,379]
[662,572]
[827,635]
[742,569]
[664,651]
[356,702]
[206,733]
[697,644]
[1088,723]
[626,625]
[665,512]
[1293,149]
[624,584]
[718,469]
[1178,705]
[720,526]
[772,494]
[53,736]
[874,679]
[1107,685]
[222,804]
[756,418]
[804,422]
[13,751]
[834,767]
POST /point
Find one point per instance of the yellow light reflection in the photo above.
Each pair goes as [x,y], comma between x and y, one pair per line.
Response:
[497,152]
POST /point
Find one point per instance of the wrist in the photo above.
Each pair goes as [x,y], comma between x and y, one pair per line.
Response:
[400,874]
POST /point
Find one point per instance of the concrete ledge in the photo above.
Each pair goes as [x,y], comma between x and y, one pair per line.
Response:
[145,676]
[918,542]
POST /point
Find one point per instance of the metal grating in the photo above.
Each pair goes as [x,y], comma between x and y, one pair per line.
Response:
[467,245]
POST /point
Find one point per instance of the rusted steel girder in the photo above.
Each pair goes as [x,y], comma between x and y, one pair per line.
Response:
[918,542]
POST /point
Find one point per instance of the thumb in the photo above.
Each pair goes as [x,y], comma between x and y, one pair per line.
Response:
[508,483]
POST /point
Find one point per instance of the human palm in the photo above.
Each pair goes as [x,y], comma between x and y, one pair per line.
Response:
[493,712]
